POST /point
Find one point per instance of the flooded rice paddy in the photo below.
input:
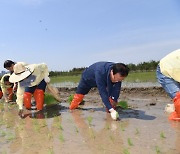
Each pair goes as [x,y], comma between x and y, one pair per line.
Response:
[143,128]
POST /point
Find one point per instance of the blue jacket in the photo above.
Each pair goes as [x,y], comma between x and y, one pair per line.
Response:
[98,75]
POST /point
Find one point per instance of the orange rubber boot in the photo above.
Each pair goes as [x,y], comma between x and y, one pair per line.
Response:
[39,98]
[27,100]
[176,114]
[76,101]
[1,94]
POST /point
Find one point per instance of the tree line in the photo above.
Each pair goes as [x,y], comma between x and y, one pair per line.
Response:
[143,66]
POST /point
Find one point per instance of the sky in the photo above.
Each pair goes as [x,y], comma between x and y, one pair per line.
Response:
[67,34]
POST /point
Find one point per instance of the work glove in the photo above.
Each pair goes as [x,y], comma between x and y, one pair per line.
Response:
[114,114]
[47,79]
[20,113]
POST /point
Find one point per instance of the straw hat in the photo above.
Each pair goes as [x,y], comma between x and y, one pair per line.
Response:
[21,72]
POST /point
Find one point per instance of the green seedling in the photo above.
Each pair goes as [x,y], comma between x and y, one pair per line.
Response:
[162,135]
[157,150]
[130,142]
[36,126]
[76,130]
[70,98]
[61,137]
[50,151]
[107,127]
[126,151]
[89,119]
[10,136]
[112,138]
[50,136]
[49,99]
[2,133]
[122,127]
[137,131]
[123,104]
[60,127]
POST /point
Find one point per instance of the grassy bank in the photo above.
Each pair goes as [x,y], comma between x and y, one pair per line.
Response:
[132,77]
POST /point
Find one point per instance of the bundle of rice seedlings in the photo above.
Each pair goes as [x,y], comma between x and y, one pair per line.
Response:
[49,99]
[123,104]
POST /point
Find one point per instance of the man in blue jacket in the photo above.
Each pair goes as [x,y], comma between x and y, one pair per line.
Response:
[107,77]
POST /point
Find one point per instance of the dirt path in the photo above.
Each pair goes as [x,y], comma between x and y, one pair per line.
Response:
[143,129]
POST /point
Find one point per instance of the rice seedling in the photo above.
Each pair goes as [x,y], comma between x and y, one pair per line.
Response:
[10,136]
[2,133]
[76,130]
[157,150]
[111,138]
[137,131]
[122,127]
[61,137]
[107,126]
[162,135]
[50,136]
[60,127]
[123,104]
[70,98]
[130,142]
[49,99]
[36,126]
[89,119]
[126,151]
[50,151]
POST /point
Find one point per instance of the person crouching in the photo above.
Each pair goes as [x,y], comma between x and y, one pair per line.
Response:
[32,80]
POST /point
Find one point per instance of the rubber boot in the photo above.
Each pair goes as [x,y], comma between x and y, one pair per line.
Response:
[10,96]
[39,98]
[176,114]
[27,100]
[76,101]
[1,94]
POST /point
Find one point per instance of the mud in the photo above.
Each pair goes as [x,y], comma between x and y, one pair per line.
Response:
[143,128]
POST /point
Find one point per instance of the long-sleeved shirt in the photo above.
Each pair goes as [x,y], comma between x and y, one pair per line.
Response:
[40,72]
[170,65]
[98,75]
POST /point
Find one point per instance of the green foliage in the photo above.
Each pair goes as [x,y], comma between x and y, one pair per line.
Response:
[126,151]
[162,135]
[70,98]
[122,104]
[141,77]
[130,142]
[89,119]
[72,78]
[49,99]
[157,150]
[143,66]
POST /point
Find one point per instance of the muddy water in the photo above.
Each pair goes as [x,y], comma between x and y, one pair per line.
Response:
[142,129]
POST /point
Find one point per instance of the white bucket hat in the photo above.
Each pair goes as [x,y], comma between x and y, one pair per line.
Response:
[21,72]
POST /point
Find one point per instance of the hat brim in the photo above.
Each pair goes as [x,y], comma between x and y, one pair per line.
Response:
[19,77]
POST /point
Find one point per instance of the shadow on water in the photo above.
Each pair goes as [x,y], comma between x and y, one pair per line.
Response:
[131,113]
[49,111]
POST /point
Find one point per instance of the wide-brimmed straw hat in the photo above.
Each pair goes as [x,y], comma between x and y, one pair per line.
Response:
[21,72]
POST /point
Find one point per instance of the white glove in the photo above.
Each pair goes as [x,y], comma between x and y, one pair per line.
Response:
[169,108]
[47,79]
[114,114]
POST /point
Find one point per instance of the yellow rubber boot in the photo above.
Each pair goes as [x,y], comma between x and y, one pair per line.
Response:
[76,101]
